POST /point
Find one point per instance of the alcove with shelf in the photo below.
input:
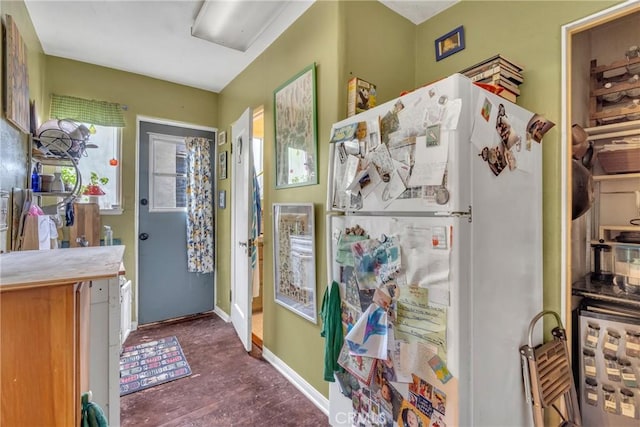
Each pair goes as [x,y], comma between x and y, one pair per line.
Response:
[602,256]
[603,96]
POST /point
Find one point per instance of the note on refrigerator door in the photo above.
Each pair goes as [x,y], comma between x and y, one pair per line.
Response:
[420,321]
[452,114]
[430,160]
[440,369]
[484,119]
[411,358]
[426,259]
[523,158]
[344,255]
[350,171]
[375,261]
[387,192]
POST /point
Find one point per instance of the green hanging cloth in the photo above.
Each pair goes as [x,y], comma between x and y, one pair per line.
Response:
[331,330]
[92,414]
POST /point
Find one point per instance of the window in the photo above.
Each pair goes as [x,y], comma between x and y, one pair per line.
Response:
[167,173]
[102,158]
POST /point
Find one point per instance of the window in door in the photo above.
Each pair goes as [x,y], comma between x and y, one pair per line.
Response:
[167,174]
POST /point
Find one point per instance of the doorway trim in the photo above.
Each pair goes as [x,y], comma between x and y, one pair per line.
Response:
[567,31]
[136,225]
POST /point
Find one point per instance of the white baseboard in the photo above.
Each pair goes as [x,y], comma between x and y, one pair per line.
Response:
[221,314]
[300,383]
[134,326]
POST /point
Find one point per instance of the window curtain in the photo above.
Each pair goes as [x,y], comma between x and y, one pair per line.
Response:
[255,233]
[100,113]
[199,206]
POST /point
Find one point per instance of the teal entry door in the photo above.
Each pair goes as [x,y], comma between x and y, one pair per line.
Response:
[166,290]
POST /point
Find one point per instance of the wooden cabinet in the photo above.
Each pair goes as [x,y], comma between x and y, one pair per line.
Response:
[43,354]
[44,336]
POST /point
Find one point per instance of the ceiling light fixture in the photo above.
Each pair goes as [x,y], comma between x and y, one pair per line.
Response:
[235,24]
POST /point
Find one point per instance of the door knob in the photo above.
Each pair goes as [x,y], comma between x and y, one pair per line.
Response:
[143,236]
[144,202]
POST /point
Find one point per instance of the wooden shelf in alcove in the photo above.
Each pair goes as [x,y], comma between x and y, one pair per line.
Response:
[625,109]
[614,130]
[616,177]
[616,64]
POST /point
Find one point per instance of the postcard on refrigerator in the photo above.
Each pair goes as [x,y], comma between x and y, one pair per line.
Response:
[360,367]
[410,416]
[440,369]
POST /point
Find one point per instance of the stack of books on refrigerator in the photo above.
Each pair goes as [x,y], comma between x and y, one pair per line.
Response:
[498,71]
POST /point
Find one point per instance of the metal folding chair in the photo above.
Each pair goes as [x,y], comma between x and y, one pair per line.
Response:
[548,380]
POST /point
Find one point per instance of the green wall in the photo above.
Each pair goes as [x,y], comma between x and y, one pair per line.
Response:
[340,50]
[528,33]
[291,338]
[13,150]
[143,96]
[380,47]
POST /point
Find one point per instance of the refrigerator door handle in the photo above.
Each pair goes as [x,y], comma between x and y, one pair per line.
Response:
[461,214]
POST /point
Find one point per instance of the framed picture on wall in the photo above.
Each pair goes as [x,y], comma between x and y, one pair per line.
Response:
[222,138]
[16,78]
[296,130]
[294,271]
[450,43]
[222,165]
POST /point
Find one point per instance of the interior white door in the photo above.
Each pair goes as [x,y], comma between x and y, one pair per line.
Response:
[241,166]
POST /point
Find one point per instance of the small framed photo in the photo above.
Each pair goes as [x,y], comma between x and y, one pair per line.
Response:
[222,199]
[222,138]
[222,165]
[450,43]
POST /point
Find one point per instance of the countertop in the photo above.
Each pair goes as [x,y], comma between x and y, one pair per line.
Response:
[28,269]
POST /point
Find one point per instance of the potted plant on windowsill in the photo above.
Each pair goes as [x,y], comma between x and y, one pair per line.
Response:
[69,178]
[94,189]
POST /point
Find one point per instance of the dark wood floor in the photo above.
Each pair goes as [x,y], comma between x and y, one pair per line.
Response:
[228,387]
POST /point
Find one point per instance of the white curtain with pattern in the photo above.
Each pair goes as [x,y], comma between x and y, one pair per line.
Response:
[199,206]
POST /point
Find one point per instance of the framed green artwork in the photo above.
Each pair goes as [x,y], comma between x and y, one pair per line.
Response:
[296,130]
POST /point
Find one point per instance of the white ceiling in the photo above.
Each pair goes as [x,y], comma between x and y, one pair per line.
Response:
[153,37]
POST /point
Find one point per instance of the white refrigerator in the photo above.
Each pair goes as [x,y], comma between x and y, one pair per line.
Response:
[451,175]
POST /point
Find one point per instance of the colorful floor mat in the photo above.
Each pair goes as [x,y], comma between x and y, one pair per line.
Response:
[151,363]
